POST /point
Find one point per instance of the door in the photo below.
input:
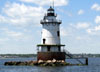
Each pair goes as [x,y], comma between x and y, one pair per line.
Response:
[48,48]
[59,48]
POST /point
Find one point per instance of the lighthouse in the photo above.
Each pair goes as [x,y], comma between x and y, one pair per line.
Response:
[50,47]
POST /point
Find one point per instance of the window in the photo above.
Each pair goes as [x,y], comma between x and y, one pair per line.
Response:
[48,48]
[54,24]
[59,49]
[44,41]
[58,33]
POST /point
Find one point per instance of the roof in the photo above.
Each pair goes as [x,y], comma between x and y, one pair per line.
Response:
[50,9]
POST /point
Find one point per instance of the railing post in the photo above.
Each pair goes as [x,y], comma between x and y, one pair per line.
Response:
[86,62]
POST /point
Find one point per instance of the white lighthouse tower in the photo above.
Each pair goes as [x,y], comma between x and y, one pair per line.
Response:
[50,47]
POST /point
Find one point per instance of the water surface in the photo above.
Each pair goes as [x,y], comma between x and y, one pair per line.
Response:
[94,66]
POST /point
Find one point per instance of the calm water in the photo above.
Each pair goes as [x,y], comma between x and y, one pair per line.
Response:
[94,66]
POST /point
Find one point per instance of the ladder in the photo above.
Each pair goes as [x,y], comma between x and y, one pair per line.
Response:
[72,56]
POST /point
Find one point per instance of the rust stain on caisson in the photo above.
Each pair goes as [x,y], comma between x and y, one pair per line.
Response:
[51,55]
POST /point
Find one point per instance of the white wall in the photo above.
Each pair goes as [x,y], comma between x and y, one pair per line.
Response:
[49,32]
[52,49]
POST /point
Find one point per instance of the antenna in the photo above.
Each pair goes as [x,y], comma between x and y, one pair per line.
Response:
[53,4]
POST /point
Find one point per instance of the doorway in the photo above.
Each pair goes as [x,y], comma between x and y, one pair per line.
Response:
[48,48]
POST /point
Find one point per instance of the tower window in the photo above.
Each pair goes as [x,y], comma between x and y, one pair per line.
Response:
[59,49]
[48,48]
[58,33]
[50,14]
[44,41]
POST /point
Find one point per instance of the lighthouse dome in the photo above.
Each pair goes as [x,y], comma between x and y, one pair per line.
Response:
[50,9]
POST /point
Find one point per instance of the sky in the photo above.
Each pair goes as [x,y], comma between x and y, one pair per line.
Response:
[20,28]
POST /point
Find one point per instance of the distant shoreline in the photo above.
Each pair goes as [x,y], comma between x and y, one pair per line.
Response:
[35,55]
[17,55]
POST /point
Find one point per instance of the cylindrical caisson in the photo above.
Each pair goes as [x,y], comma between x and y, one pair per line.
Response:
[51,55]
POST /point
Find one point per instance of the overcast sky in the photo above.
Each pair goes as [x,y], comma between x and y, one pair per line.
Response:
[20,28]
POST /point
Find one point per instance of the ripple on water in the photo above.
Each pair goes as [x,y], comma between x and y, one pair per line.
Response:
[94,66]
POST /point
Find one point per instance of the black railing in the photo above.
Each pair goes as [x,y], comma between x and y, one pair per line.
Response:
[72,56]
[51,21]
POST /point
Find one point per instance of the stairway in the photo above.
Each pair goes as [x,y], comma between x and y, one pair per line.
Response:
[72,56]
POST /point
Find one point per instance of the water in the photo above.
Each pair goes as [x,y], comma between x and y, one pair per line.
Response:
[94,66]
